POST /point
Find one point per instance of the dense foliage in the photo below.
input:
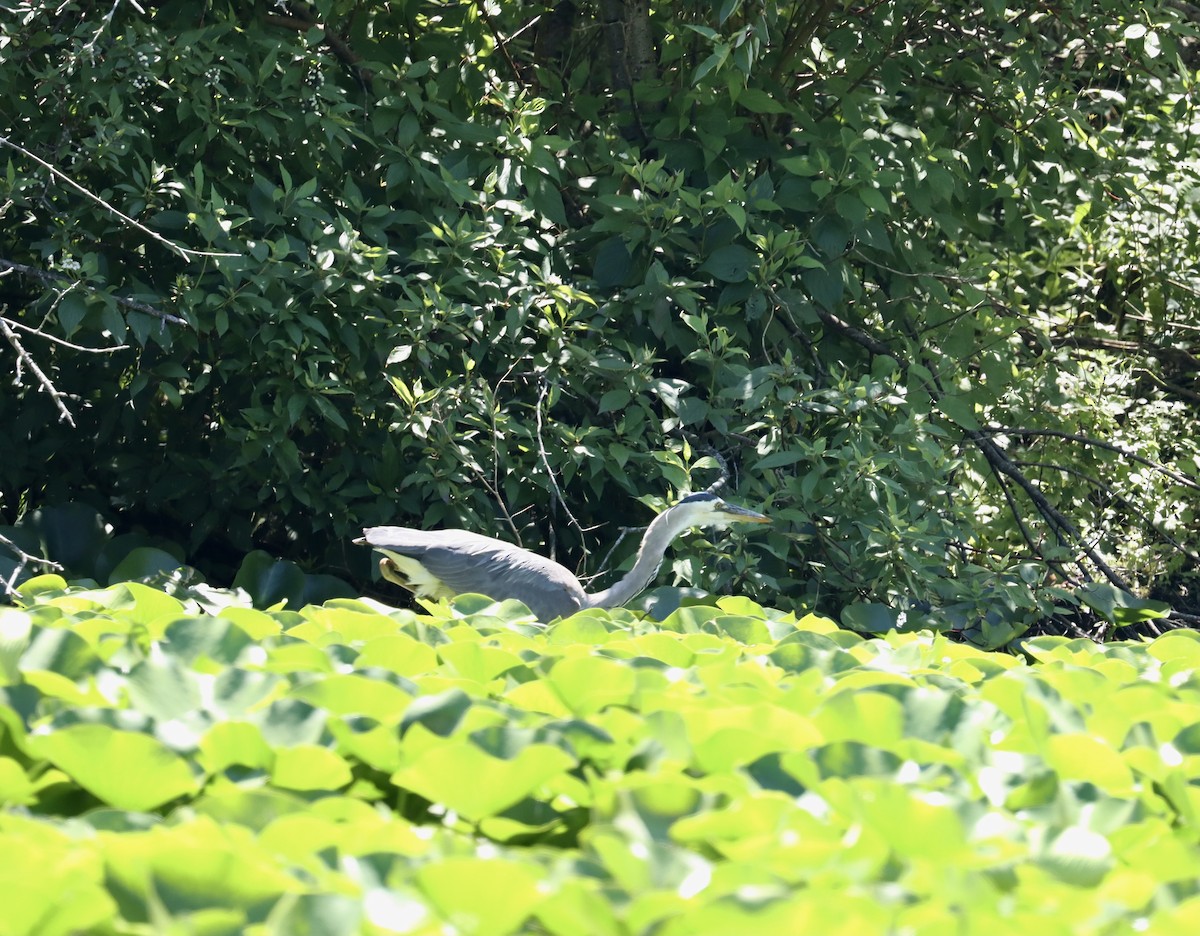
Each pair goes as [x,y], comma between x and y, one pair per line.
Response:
[922,275]
[189,764]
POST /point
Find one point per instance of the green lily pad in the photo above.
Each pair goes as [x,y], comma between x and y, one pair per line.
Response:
[124,769]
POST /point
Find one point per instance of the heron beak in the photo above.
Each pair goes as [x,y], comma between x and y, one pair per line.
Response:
[742,515]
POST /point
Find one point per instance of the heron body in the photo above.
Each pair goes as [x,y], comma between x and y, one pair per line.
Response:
[441,563]
[444,563]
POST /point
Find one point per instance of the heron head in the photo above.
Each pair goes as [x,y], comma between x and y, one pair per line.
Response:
[708,510]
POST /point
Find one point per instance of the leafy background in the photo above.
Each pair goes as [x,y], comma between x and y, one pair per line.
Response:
[919,279]
[921,276]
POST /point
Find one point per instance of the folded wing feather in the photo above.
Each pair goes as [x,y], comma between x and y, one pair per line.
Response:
[439,563]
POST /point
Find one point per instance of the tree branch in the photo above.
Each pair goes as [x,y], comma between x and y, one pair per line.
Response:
[1117,496]
[28,361]
[501,42]
[13,323]
[1180,357]
[1022,527]
[341,48]
[52,278]
[860,337]
[185,252]
[1097,443]
[8,586]
[800,29]
[1003,467]
[1001,464]
[556,490]
[624,532]
[719,485]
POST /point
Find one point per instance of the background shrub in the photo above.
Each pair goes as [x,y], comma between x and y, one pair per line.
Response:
[305,268]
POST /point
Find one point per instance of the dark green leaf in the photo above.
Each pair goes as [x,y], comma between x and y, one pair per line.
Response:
[730,264]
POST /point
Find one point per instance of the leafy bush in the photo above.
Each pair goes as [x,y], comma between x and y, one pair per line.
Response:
[896,265]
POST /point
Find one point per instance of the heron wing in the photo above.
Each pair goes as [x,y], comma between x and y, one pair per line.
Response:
[467,562]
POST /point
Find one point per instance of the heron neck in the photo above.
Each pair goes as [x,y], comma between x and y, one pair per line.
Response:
[659,535]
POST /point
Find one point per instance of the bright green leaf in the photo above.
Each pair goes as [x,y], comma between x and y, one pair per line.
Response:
[123,769]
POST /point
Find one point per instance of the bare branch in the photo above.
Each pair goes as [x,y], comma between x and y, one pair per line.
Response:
[1179,357]
[795,331]
[1022,527]
[1172,388]
[104,25]
[1005,470]
[42,379]
[12,323]
[185,252]
[853,332]
[558,494]
[624,532]
[8,586]
[1001,464]
[492,486]
[1182,619]
[857,335]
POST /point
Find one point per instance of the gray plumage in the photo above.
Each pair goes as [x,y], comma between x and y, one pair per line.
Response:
[440,563]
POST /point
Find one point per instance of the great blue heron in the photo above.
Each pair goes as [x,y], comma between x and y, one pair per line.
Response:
[442,563]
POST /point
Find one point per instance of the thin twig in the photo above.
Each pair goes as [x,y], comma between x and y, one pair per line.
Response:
[1024,530]
[532,23]
[1182,618]
[624,532]
[23,559]
[59,341]
[1166,385]
[491,486]
[185,252]
[339,45]
[42,379]
[853,332]
[103,26]
[801,27]
[1001,465]
[501,44]
[558,494]
[857,335]
[495,486]
[795,332]
[1180,357]
[483,479]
